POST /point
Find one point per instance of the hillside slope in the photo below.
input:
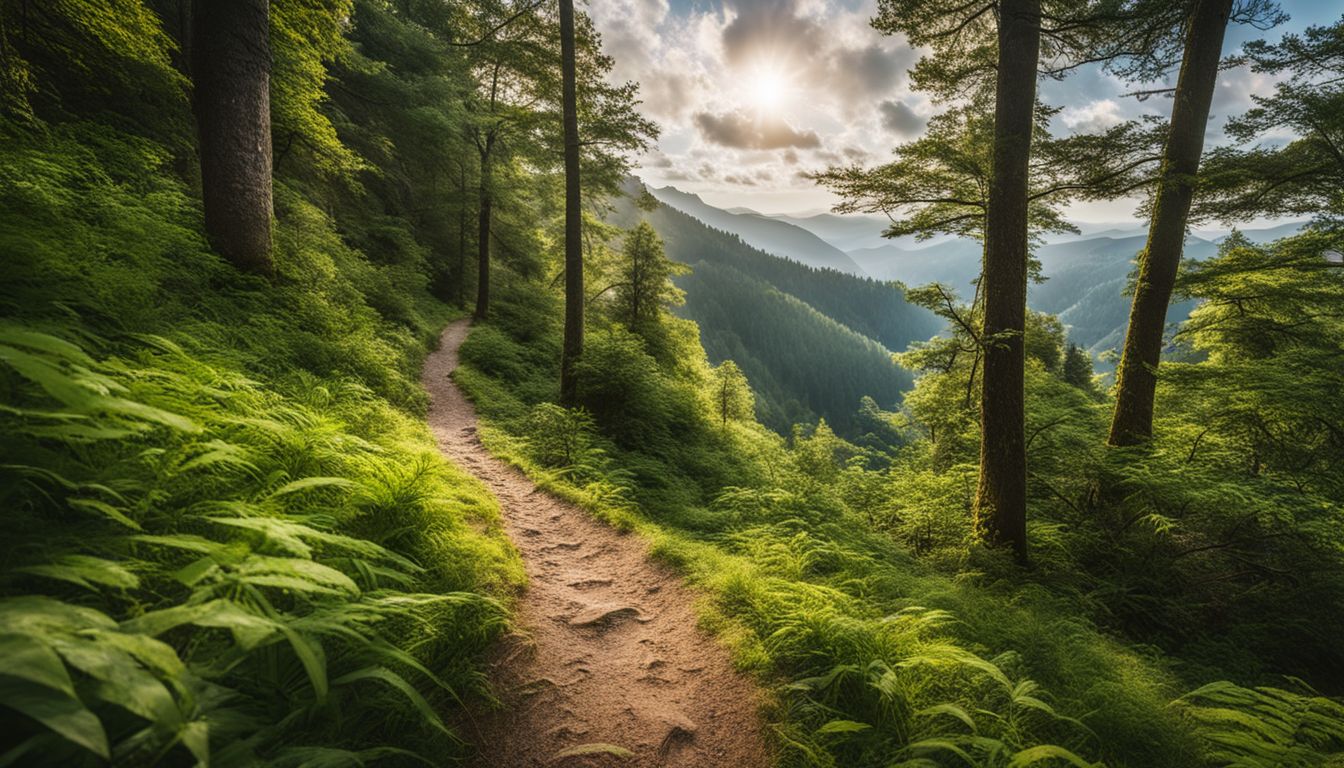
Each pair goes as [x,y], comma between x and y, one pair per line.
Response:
[770,235]
[812,341]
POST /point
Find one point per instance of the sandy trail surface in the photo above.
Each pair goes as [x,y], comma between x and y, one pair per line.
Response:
[606,658]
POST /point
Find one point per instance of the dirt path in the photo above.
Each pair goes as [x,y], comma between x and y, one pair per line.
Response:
[608,652]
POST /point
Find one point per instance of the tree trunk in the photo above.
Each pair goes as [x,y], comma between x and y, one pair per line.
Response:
[483,233]
[460,290]
[1001,495]
[231,68]
[1136,378]
[573,344]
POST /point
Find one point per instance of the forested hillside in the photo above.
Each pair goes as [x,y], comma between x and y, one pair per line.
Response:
[231,235]
[1084,279]
[770,235]
[813,341]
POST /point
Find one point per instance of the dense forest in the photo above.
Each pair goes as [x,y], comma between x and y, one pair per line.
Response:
[813,341]
[232,232]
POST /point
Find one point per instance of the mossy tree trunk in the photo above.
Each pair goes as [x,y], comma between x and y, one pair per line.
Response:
[231,70]
[1136,378]
[1001,494]
[483,223]
[573,342]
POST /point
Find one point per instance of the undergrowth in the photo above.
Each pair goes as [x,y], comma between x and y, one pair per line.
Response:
[874,657]
[230,539]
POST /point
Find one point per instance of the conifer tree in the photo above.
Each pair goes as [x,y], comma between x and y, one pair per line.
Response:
[732,395]
[645,286]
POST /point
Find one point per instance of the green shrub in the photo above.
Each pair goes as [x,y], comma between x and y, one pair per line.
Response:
[181,573]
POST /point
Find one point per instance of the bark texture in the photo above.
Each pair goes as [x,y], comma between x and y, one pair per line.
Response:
[1001,495]
[573,344]
[231,70]
[483,223]
[1136,378]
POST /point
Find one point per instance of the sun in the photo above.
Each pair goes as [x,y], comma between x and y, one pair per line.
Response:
[767,89]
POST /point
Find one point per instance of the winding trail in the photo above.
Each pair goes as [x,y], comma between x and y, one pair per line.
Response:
[607,651]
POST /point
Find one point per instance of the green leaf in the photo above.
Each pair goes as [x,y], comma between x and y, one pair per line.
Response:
[843,726]
[196,570]
[195,736]
[217,614]
[390,678]
[104,509]
[309,483]
[41,342]
[28,659]
[309,651]
[951,710]
[57,710]
[942,745]
[37,615]
[85,571]
[185,541]
[1033,755]
[294,573]
[120,679]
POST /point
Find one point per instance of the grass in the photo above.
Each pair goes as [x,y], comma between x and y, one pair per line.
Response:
[873,658]
[230,536]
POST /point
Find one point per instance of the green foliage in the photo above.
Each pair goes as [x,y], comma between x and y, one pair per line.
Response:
[731,393]
[113,59]
[645,289]
[228,537]
[883,659]
[1078,368]
[801,363]
[1300,177]
[196,550]
[752,308]
[1266,726]
[306,37]
[561,437]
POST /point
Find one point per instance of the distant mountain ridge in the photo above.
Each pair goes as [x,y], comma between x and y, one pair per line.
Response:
[813,341]
[1086,273]
[773,236]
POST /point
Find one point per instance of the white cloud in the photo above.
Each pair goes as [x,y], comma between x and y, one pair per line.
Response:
[702,67]
[1093,117]
[704,71]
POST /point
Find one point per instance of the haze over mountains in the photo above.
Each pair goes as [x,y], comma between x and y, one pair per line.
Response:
[777,237]
[1086,273]
[813,340]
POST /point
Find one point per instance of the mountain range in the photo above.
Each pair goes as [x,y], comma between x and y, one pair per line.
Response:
[1085,274]
[774,236]
[813,339]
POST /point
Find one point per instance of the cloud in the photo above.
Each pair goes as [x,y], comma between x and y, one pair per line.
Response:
[768,26]
[900,119]
[870,71]
[737,178]
[736,130]
[1093,117]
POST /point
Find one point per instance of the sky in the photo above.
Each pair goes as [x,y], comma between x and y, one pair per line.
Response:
[751,94]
